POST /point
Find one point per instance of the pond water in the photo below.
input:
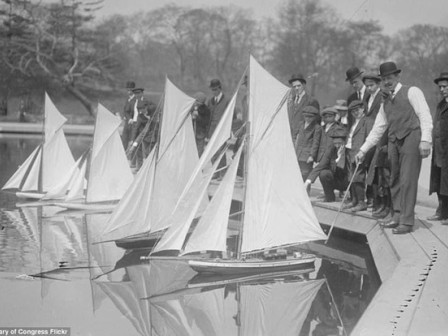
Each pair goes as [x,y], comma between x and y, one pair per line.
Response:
[53,275]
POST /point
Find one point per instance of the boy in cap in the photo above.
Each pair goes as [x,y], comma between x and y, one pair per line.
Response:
[332,170]
[329,123]
[357,135]
[342,116]
[307,141]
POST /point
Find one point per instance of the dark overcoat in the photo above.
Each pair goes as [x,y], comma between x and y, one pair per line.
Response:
[295,111]
[325,141]
[439,178]
[216,111]
[307,143]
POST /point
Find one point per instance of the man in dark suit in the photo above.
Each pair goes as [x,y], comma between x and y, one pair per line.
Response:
[358,133]
[332,170]
[328,115]
[201,120]
[217,104]
[405,113]
[439,163]
[354,77]
[307,142]
[128,112]
[297,100]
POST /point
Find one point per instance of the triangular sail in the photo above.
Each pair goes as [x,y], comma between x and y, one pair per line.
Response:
[110,174]
[31,181]
[211,230]
[78,184]
[179,222]
[54,120]
[16,180]
[277,208]
[131,216]
[177,156]
[276,308]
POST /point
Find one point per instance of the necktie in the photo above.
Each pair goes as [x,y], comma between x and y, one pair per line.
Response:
[359,95]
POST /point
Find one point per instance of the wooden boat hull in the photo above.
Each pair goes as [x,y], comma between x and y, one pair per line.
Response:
[100,206]
[227,267]
[30,195]
[141,241]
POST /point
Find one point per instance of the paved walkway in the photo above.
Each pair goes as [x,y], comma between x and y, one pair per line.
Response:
[413,297]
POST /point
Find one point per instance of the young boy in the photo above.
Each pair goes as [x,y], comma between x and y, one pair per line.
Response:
[358,133]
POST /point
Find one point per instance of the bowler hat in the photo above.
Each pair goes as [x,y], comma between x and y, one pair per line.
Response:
[355,104]
[443,76]
[297,77]
[352,73]
[372,76]
[338,132]
[200,97]
[341,105]
[215,83]
[130,85]
[388,68]
[311,110]
[329,110]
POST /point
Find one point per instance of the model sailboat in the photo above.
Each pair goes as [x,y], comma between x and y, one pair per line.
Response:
[162,179]
[49,163]
[276,209]
[107,169]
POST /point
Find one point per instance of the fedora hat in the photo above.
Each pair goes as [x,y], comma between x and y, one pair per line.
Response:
[443,76]
[297,77]
[130,85]
[310,110]
[352,73]
[372,76]
[388,68]
[215,83]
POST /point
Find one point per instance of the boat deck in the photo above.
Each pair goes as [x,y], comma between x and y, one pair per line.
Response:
[413,297]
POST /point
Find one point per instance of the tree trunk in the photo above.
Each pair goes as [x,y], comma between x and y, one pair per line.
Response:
[90,107]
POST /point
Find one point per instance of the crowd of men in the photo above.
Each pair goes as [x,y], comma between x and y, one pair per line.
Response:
[369,147]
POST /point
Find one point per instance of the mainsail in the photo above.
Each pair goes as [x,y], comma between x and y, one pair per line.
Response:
[109,174]
[277,208]
[47,166]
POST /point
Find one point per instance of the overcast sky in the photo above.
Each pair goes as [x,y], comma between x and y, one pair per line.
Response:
[392,14]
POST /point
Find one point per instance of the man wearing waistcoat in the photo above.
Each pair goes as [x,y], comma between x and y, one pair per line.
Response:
[406,114]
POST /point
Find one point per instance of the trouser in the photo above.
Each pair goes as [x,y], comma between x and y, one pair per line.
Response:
[331,181]
[305,169]
[405,162]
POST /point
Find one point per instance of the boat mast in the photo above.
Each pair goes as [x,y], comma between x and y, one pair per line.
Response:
[246,165]
[40,183]
[90,158]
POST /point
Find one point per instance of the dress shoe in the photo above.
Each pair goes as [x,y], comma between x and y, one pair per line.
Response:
[390,224]
[378,209]
[382,214]
[435,217]
[402,229]
[360,207]
[348,206]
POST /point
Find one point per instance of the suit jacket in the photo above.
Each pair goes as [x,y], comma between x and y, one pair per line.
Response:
[325,141]
[307,143]
[373,111]
[352,97]
[328,162]
[360,134]
[295,111]
[128,109]
[439,178]
[202,121]
[216,111]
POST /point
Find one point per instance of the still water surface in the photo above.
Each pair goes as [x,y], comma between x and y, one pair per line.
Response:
[51,275]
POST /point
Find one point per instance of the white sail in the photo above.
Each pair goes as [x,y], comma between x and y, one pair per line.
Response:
[54,120]
[218,138]
[21,173]
[31,181]
[78,184]
[131,215]
[179,222]
[177,156]
[211,230]
[277,208]
[276,308]
[69,181]
[110,174]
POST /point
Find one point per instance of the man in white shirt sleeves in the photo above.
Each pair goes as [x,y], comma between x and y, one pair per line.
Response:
[406,114]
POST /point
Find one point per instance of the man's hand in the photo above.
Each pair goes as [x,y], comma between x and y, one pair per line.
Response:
[308,186]
[359,158]
[310,160]
[425,148]
[130,121]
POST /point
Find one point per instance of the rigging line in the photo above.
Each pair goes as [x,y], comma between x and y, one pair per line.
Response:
[342,202]
[357,10]
[335,305]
